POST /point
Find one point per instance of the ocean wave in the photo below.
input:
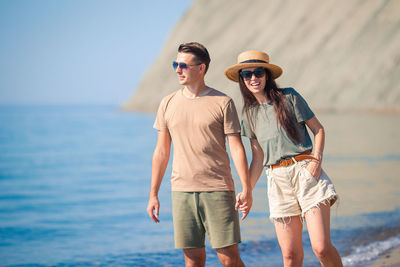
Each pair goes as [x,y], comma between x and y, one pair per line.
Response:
[371,251]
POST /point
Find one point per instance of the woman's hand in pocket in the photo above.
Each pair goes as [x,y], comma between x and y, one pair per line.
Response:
[314,167]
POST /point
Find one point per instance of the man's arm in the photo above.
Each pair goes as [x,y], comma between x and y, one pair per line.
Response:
[239,159]
[159,165]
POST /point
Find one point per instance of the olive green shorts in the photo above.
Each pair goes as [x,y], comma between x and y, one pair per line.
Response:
[197,213]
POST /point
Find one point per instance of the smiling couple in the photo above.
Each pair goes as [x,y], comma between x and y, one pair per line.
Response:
[197,120]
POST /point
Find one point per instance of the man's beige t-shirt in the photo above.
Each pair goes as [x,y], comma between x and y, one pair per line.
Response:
[198,128]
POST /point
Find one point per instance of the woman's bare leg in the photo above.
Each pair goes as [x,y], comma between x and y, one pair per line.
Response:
[318,225]
[290,240]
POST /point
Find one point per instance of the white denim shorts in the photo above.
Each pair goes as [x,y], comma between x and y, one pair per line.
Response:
[293,191]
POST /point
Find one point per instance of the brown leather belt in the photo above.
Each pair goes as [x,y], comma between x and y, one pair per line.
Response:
[289,161]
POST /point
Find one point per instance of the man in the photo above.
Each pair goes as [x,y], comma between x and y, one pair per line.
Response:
[197,119]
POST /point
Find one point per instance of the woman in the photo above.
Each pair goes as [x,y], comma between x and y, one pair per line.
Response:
[275,120]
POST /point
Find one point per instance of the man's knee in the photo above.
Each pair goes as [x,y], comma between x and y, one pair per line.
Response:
[229,256]
[195,257]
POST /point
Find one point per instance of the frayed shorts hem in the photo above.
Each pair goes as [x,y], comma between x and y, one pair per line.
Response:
[331,200]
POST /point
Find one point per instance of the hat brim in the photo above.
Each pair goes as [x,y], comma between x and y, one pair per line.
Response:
[232,72]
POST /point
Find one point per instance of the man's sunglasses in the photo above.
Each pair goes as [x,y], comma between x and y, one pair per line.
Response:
[258,72]
[182,65]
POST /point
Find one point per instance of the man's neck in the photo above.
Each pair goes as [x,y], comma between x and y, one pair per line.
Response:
[196,90]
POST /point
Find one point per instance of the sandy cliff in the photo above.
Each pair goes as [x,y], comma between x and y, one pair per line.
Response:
[340,54]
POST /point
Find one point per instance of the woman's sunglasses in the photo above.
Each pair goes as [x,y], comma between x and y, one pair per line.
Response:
[258,72]
[182,65]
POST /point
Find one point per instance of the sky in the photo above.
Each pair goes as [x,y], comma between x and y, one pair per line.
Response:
[80,51]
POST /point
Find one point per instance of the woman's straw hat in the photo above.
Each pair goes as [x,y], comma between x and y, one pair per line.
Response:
[251,59]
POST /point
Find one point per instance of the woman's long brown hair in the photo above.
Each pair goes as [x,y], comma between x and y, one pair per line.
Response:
[275,95]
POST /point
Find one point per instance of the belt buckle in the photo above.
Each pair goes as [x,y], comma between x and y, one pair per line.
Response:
[285,162]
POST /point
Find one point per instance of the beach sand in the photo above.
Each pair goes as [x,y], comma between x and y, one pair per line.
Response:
[362,158]
[388,259]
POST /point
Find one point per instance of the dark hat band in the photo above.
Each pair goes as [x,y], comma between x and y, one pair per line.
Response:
[254,61]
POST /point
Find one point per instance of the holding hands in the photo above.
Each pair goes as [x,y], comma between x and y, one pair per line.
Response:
[244,201]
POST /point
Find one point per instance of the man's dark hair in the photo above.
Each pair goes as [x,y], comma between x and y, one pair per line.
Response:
[198,50]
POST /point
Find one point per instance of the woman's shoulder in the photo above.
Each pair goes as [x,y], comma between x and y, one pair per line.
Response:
[291,94]
[289,91]
[296,99]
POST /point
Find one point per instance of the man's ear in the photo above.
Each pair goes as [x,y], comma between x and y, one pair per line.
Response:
[203,68]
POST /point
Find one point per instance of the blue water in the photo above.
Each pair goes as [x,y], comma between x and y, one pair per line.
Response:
[74,185]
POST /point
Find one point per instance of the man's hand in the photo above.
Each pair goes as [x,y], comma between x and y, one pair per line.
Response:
[153,208]
[244,201]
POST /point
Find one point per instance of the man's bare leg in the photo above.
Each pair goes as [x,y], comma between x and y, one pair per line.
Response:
[229,256]
[194,257]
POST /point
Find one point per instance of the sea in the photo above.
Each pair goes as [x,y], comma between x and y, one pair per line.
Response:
[74,185]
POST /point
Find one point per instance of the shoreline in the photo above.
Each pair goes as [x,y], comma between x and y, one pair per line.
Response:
[390,258]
